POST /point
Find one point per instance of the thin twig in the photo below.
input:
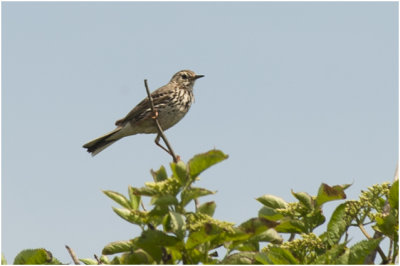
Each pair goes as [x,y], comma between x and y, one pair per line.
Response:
[141,203]
[73,255]
[380,251]
[386,209]
[196,203]
[97,259]
[159,129]
[390,249]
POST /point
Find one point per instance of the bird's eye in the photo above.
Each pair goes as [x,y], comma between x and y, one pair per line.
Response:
[184,76]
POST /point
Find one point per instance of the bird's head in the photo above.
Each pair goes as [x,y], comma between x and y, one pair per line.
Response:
[185,78]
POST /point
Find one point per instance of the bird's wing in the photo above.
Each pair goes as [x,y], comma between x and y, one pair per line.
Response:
[160,97]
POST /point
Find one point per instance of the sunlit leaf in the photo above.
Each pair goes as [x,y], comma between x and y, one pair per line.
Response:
[394,195]
[273,202]
[179,171]
[193,193]
[202,161]
[269,213]
[240,258]
[289,225]
[257,225]
[205,234]
[207,208]
[276,255]
[134,199]
[160,174]
[360,251]
[164,200]
[337,225]
[304,198]
[270,235]
[139,256]
[248,246]
[331,256]
[117,247]
[35,256]
[118,198]
[177,224]
[388,225]
[135,217]
[327,193]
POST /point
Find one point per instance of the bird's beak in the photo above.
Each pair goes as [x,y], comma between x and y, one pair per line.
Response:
[198,76]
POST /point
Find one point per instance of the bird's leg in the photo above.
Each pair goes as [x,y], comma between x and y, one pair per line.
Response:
[157,141]
[155,114]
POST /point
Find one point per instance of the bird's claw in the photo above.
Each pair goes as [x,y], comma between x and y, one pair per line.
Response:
[155,115]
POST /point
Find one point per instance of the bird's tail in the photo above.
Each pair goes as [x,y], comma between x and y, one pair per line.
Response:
[97,145]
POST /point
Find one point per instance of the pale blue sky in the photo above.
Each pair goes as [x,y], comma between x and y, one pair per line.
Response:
[296,93]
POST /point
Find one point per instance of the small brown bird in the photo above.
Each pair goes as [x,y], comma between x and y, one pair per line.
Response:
[171,102]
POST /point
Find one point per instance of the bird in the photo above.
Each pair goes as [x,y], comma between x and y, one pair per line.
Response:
[171,103]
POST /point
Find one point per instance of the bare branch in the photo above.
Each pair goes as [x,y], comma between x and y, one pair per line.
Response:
[159,129]
[380,251]
[97,259]
[73,255]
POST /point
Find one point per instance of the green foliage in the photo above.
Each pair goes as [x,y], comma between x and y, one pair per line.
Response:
[3,260]
[172,232]
[35,256]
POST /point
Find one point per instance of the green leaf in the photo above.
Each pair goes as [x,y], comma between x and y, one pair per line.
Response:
[118,247]
[344,258]
[35,256]
[314,219]
[269,213]
[170,186]
[89,261]
[305,199]
[160,174]
[135,217]
[3,259]
[193,193]
[202,161]
[248,246]
[153,241]
[165,200]
[289,225]
[104,259]
[388,225]
[277,255]
[118,198]
[236,235]
[262,258]
[179,171]
[360,251]
[257,225]
[207,208]
[138,256]
[270,235]
[327,193]
[145,191]
[157,238]
[205,234]
[332,256]
[240,258]
[273,202]
[176,224]
[337,225]
[394,195]
[134,199]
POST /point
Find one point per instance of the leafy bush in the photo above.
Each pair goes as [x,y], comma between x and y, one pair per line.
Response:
[171,234]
